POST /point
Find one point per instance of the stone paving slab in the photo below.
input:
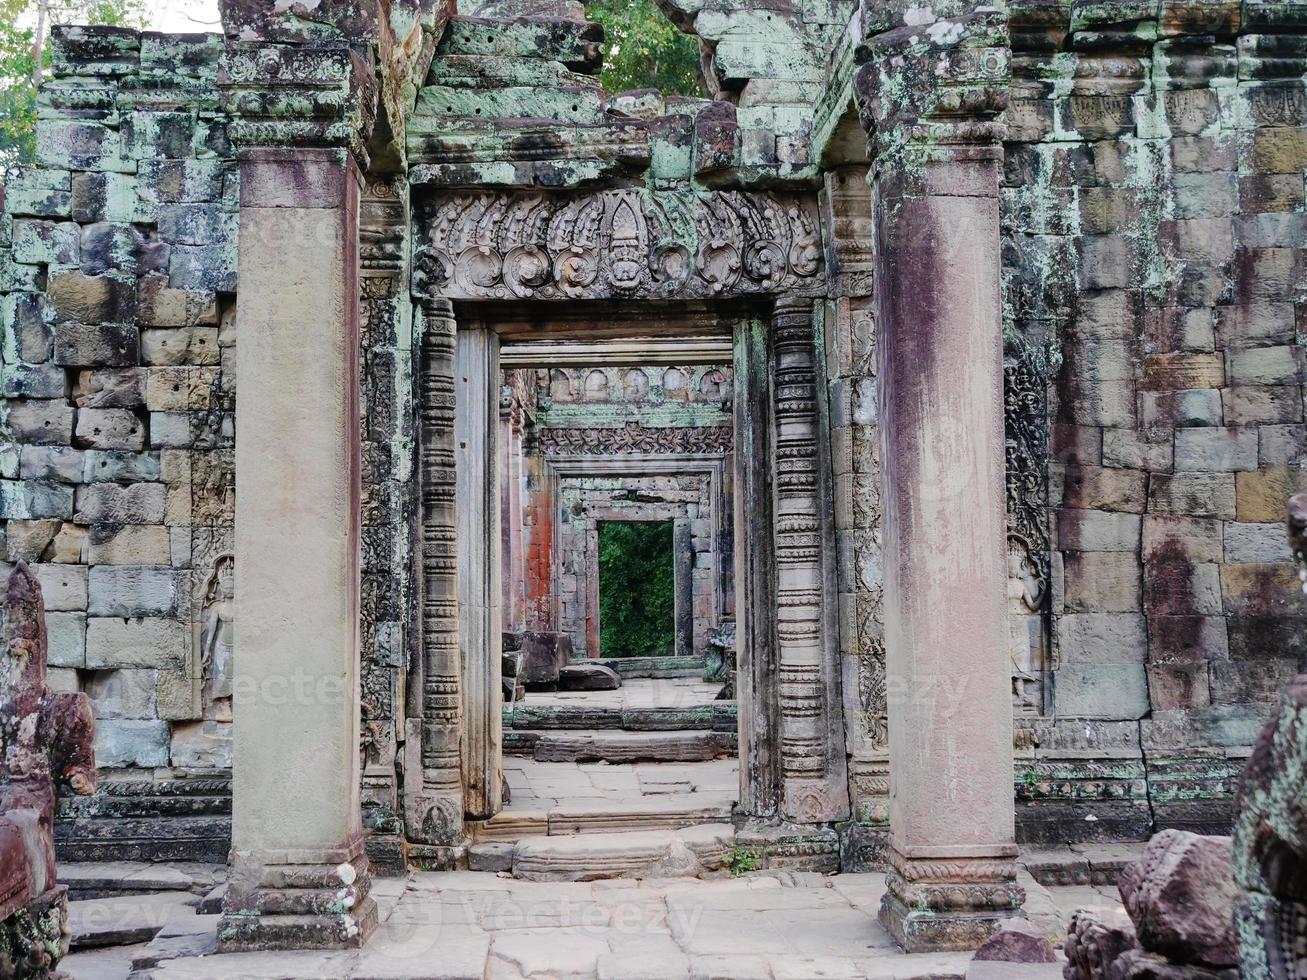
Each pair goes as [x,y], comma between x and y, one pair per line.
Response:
[125,919]
[771,925]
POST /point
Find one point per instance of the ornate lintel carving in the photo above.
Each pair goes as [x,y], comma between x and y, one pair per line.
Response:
[636,438]
[617,244]
[937,87]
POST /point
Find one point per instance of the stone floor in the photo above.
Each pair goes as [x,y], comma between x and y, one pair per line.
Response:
[546,785]
[438,926]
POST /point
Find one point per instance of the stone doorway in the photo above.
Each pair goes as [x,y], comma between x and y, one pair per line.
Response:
[774,471]
[612,743]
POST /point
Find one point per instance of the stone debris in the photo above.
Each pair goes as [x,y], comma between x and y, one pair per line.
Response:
[45,746]
[1177,921]
[1096,938]
[1180,896]
[1017,941]
[544,656]
[691,852]
[588,677]
[1270,859]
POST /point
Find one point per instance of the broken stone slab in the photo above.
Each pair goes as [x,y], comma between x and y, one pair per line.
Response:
[1017,941]
[1180,895]
[493,856]
[687,853]
[181,938]
[569,717]
[625,747]
[1139,964]
[588,677]
[631,668]
[126,919]
[211,903]
[544,656]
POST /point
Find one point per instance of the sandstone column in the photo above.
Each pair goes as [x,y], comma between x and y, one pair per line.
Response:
[476,463]
[298,873]
[937,161]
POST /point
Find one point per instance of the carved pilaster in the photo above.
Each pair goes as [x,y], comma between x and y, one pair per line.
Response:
[434,775]
[812,756]
[388,600]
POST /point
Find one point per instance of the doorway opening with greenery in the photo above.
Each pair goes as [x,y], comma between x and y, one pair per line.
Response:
[637,589]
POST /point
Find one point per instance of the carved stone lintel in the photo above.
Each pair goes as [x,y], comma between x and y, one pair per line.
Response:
[617,244]
[434,803]
[636,438]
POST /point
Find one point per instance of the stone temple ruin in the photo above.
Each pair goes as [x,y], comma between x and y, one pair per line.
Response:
[959,346]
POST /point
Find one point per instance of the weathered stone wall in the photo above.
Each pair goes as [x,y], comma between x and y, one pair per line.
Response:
[119,394]
[1153,214]
[1154,220]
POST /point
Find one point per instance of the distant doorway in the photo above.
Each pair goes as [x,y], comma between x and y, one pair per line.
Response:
[638,589]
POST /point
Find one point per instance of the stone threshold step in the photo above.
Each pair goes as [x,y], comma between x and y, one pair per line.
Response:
[633,668]
[599,818]
[718,716]
[107,879]
[689,852]
[620,746]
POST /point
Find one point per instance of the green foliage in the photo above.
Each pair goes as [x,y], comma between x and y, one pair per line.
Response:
[637,590]
[24,35]
[740,861]
[644,49]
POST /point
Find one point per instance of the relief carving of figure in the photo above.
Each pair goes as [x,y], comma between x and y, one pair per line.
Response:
[1025,627]
[217,620]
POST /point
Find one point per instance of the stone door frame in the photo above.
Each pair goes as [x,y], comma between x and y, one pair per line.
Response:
[711,466]
[793,755]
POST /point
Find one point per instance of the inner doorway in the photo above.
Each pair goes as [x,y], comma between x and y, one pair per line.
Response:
[639,589]
[620,471]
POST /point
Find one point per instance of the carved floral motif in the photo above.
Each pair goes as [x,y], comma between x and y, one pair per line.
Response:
[621,243]
[636,438]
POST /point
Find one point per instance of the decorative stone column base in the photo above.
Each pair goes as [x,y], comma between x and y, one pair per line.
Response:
[790,846]
[296,900]
[949,899]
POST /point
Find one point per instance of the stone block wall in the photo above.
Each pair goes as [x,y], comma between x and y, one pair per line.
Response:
[1155,226]
[116,482]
